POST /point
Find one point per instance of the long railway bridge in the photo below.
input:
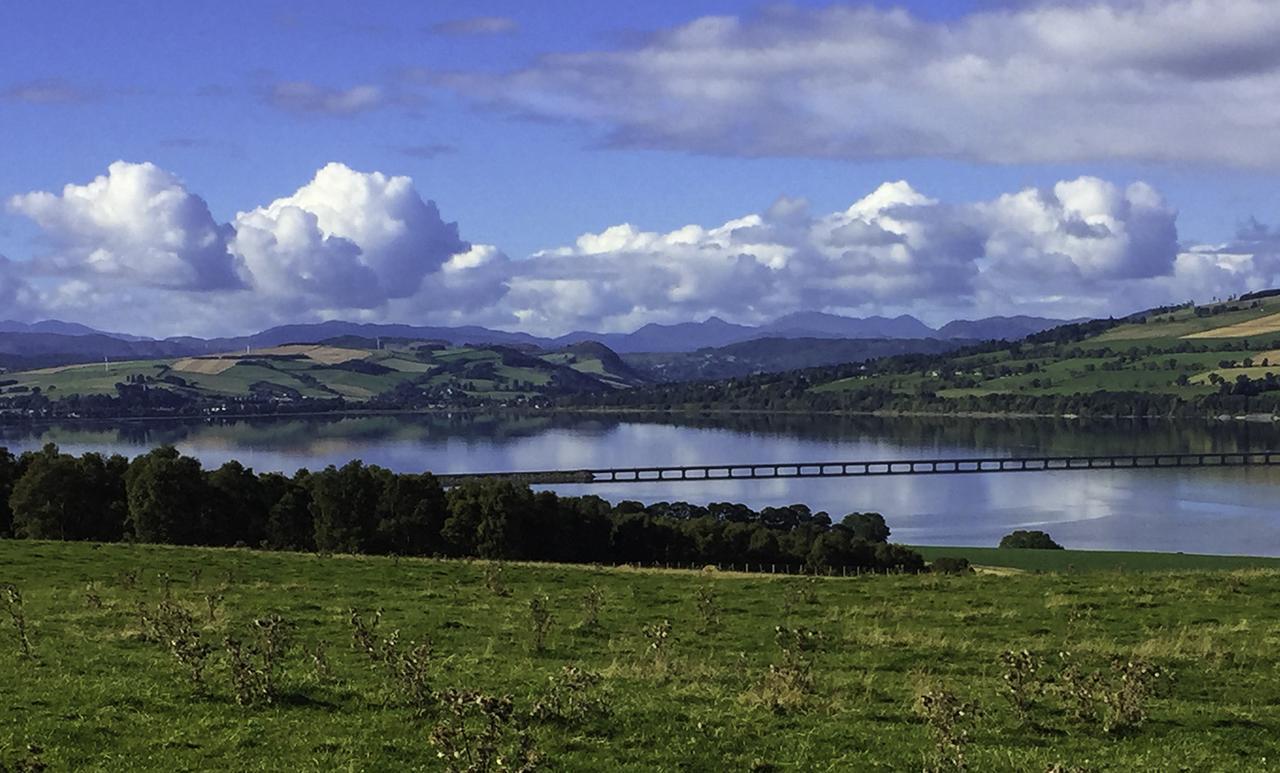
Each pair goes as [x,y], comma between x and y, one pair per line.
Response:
[968,465]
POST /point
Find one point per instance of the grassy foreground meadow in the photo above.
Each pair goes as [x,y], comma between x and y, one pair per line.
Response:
[681,670]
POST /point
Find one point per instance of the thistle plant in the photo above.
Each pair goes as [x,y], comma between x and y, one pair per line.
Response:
[482,733]
[569,698]
[175,628]
[592,603]
[407,666]
[799,592]
[410,670]
[255,666]
[363,638]
[11,597]
[212,601]
[708,607]
[1021,686]
[540,621]
[789,682]
[1124,705]
[1078,689]
[31,762]
[319,654]
[1117,699]
[950,720]
[659,640]
[494,582]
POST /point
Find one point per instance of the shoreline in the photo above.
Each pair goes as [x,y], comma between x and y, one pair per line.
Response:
[6,421]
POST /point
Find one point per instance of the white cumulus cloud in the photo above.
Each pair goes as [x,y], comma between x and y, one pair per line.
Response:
[134,250]
[136,222]
[895,249]
[347,238]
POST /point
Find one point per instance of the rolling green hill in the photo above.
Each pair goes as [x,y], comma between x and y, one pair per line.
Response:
[1219,358]
[351,368]
[775,355]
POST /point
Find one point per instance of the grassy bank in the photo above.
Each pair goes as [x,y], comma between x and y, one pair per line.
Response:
[718,692]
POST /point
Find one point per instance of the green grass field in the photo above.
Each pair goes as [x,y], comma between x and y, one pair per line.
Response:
[1097,560]
[98,695]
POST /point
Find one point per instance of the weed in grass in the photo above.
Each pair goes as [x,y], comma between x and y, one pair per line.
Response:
[481,733]
[494,582]
[570,698]
[91,598]
[410,670]
[212,601]
[659,648]
[1125,703]
[319,654]
[799,592]
[16,609]
[1021,685]
[31,762]
[540,621]
[175,628]
[798,639]
[592,604]
[407,666]
[248,679]
[255,667]
[363,638]
[789,683]
[1116,700]
[129,579]
[1078,688]
[950,720]
[708,608]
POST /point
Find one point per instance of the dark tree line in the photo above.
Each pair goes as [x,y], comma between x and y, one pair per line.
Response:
[165,497]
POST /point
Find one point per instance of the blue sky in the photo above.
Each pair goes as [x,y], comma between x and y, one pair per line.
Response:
[243,102]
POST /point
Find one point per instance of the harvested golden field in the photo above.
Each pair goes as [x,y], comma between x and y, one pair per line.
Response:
[1253,327]
[61,368]
[204,366]
[326,355]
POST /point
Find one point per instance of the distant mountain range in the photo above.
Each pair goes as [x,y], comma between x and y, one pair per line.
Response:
[53,342]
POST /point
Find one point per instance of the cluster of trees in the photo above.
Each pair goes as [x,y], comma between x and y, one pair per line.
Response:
[165,497]
[1033,539]
[143,399]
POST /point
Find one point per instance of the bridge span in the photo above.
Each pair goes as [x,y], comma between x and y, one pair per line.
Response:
[970,465]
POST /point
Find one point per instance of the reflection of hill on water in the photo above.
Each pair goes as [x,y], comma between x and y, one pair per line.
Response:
[1014,436]
[268,432]
[984,436]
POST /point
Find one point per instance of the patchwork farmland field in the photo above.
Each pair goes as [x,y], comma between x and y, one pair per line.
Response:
[327,371]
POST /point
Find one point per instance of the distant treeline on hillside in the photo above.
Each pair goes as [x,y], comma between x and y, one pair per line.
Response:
[798,390]
[165,497]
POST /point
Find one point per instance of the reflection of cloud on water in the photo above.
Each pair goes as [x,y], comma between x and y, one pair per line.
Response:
[1200,510]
